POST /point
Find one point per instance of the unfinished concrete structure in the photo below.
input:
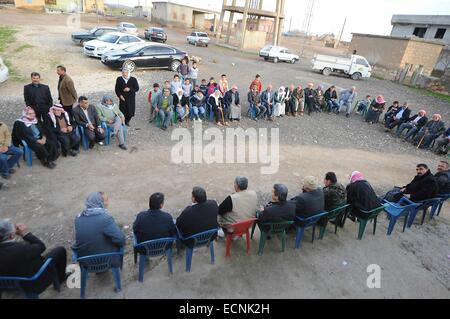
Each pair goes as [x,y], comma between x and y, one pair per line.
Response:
[252,10]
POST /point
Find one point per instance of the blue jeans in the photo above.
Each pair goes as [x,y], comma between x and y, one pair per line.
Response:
[9,159]
[332,105]
[181,112]
[166,118]
[198,110]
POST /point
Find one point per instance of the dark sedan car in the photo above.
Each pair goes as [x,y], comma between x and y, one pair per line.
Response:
[81,37]
[155,34]
[145,55]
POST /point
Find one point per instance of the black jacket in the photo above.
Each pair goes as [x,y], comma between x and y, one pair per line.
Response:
[24,259]
[228,98]
[443,181]
[153,224]
[278,212]
[80,117]
[198,218]
[361,196]
[37,96]
[50,127]
[421,122]
[309,203]
[330,95]
[422,187]
[22,132]
[405,116]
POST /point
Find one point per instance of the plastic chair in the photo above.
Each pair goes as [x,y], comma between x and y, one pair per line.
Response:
[11,283]
[444,198]
[274,229]
[84,138]
[432,203]
[200,240]
[27,154]
[153,248]
[369,215]
[333,215]
[239,229]
[110,131]
[307,222]
[396,210]
[98,264]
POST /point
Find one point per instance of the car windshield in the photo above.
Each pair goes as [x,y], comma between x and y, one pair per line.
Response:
[267,48]
[202,35]
[109,38]
[157,30]
[127,25]
[92,30]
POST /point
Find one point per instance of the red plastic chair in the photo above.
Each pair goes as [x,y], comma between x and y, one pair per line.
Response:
[240,229]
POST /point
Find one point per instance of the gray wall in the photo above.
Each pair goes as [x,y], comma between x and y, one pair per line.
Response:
[399,30]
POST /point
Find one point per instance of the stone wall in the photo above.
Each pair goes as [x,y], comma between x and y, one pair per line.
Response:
[422,53]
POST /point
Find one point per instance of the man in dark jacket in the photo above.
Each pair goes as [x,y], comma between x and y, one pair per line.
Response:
[423,186]
[334,192]
[201,216]
[267,99]
[443,177]
[154,223]
[432,130]
[441,145]
[86,116]
[413,125]
[126,88]
[398,117]
[331,99]
[24,258]
[309,98]
[38,96]
[279,209]
[311,202]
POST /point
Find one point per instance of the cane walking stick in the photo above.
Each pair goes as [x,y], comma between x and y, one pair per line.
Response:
[421,141]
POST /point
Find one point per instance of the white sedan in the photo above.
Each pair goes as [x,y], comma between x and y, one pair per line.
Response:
[4,72]
[108,42]
[275,54]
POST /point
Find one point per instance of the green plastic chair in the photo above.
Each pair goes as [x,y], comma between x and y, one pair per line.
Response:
[334,215]
[274,229]
[369,215]
[173,121]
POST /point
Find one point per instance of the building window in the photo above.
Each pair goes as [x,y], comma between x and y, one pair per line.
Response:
[420,32]
[440,33]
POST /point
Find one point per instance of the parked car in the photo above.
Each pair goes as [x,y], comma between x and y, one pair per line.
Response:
[110,41]
[155,34]
[4,72]
[198,38]
[276,53]
[127,28]
[356,66]
[82,37]
[145,55]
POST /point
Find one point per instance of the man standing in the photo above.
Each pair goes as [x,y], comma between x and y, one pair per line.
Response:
[126,88]
[9,154]
[67,95]
[87,117]
[38,96]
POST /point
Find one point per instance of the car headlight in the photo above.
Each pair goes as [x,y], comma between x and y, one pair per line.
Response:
[112,58]
[101,48]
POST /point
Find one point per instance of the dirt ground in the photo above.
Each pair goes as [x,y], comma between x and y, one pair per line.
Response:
[414,264]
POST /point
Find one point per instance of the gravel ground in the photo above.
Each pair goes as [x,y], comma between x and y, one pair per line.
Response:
[415,264]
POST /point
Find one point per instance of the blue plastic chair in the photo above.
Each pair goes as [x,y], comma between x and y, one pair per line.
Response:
[200,240]
[307,223]
[432,203]
[110,131]
[84,137]
[444,198]
[27,154]
[153,248]
[98,264]
[396,210]
[10,283]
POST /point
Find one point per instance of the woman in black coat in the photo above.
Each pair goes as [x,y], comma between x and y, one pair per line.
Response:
[375,109]
[40,140]
[126,88]
[360,195]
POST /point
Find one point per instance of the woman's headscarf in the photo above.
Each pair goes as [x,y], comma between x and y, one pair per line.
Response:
[216,97]
[106,98]
[94,204]
[356,176]
[25,119]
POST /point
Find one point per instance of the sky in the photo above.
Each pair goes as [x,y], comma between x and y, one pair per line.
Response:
[363,16]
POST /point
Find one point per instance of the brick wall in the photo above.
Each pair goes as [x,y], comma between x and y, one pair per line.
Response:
[422,53]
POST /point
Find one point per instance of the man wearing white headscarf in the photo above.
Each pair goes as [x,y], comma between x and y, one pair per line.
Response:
[126,88]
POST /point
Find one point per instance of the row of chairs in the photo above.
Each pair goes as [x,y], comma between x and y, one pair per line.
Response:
[164,246]
[28,153]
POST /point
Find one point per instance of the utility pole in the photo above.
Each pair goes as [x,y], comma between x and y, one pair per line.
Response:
[342,32]
[307,24]
[290,25]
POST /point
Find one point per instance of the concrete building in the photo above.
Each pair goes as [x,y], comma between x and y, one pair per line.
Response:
[428,27]
[394,53]
[177,15]
[30,4]
[83,6]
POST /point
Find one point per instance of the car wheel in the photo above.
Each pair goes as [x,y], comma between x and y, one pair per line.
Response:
[195,43]
[293,61]
[130,65]
[266,59]
[82,42]
[326,71]
[206,45]
[174,66]
[356,76]
[275,60]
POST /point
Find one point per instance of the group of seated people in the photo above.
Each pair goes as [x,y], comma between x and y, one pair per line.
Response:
[57,135]
[417,128]
[97,232]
